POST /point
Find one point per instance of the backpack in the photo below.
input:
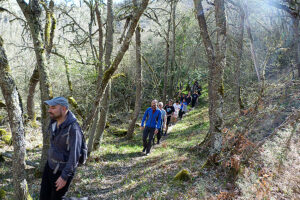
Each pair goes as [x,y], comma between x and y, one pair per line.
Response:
[83,150]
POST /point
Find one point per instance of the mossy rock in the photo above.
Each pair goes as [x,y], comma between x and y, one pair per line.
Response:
[7,139]
[2,132]
[183,175]
[118,131]
[2,193]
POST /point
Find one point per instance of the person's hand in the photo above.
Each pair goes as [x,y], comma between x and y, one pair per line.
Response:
[142,128]
[60,183]
[156,131]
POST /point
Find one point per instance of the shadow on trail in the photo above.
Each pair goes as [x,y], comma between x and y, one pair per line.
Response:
[120,156]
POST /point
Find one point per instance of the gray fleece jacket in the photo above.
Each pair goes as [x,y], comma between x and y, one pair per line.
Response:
[61,156]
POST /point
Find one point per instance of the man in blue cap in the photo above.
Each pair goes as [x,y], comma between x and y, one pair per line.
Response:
[64,152]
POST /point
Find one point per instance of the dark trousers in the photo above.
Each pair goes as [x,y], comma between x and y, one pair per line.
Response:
[159,134]
[48,188]
[194,103]
[148,133]
[181,113]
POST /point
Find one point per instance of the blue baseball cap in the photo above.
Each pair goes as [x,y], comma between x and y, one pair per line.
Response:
[58,101]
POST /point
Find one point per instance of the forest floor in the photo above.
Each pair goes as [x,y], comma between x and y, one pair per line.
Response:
[119,170]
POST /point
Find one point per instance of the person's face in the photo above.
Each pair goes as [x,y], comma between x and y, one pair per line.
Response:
[189,93]
[153,105]
[170,103]
[56,112]
[160,106]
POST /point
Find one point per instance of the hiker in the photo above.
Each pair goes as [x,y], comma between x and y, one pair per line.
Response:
[195,87]
[199,90]
[169,108]
[152,117]
[163,122]
[64,151]
[188,98]
[182,97]
[183,108]
[194,99]
[175,114]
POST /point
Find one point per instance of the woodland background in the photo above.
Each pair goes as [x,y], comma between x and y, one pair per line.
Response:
[111,58]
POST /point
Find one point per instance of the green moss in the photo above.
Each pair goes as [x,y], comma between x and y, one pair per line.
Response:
[118,76]
[221,89]
[33,123]
[2,132]
[2,193]
[28,194]
[47,28]
[107,125]
[72,101]
[7,139]
[183,175]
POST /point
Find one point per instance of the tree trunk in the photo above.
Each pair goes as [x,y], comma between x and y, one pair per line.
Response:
[30,98]
[49,31]
[253,53]
[11,96]
[166,67]
[32,13]
[240,44]
[92,131]
[106,99]
[109,72]
[216,60]
[103,118]
[138,79]
[297,43]
[173,47]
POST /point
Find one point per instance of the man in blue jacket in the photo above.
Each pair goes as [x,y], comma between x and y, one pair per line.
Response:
[152,117]
[64,152]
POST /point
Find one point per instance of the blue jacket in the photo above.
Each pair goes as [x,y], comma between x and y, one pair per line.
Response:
[153,119]
[61,155]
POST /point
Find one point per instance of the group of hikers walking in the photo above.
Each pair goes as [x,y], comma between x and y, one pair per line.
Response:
[157,118]
[67,144]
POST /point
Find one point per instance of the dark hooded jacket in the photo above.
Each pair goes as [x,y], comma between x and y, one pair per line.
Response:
[62,156]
